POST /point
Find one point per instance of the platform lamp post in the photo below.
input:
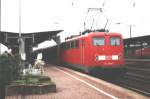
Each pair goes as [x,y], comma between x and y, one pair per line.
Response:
[1,85]
[130,27]
[21,41]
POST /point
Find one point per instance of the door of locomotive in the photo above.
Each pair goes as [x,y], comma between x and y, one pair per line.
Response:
[82,52]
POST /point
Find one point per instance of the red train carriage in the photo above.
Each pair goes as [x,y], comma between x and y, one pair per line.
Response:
[142,53]
[94,50]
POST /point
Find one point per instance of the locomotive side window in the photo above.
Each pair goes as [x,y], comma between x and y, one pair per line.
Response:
[76,43]
[72,44]
[67,44]
[115,41]
[99,41]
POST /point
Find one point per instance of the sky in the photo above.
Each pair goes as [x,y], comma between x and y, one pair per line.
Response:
[70,15]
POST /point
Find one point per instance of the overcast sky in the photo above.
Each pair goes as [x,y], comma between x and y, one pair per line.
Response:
[69,15]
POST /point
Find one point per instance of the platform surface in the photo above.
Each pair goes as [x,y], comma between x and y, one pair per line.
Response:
[70,86]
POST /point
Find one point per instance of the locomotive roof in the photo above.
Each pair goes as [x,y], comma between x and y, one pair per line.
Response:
[95,34]
[105,33]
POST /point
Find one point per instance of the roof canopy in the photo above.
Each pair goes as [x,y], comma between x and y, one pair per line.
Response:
[10,39]
[136,40]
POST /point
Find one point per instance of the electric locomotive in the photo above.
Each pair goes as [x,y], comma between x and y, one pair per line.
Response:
[94,50]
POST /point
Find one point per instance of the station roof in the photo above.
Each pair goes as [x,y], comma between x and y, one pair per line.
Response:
[10,39]
[136,40]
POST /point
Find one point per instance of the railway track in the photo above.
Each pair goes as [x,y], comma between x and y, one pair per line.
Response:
[135,84]
[137,77]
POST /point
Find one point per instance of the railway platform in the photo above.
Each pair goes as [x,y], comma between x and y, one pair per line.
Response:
[71,84]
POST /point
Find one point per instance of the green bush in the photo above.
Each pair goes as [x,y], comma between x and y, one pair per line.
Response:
[5,73]
[5,68]
[9,68]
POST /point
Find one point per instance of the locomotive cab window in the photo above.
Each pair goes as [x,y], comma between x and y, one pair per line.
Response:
[98,41]
[115,41]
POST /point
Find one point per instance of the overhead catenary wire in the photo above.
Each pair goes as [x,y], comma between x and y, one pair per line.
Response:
[94,18]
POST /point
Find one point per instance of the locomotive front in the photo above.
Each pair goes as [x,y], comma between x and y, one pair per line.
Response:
[106,51]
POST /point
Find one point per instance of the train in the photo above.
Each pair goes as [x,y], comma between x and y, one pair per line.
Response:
[142,53]
[94,50]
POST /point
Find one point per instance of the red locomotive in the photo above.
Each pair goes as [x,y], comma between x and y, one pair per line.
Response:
[94,50]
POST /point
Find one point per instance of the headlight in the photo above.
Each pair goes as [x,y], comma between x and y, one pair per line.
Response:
[102,57]
[115,57]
